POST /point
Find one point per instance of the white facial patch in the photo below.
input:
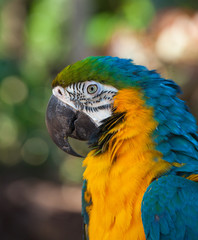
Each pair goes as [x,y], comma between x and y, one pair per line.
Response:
[90,97]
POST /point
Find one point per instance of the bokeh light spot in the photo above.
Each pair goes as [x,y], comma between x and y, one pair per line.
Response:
[10,156]
[8,131]
[71,169]
[13,90]
[35,151]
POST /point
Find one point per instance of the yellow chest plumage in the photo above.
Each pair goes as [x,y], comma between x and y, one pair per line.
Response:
[118,178]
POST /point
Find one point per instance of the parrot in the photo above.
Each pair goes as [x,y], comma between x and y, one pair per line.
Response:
[141,174]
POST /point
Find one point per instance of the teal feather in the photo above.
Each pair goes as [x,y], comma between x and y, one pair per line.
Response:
[84,211]
[177,212]
[84,203]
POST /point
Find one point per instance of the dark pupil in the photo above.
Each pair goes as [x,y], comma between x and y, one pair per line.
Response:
[92,89]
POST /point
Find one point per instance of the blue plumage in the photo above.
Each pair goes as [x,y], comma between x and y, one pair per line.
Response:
[175,136]
[171,213]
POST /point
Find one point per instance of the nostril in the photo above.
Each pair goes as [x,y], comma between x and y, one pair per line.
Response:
[59,91]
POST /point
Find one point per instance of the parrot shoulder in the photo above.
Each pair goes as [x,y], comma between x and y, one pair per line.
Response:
[170,209]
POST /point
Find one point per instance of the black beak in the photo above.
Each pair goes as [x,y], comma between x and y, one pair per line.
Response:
[64,121]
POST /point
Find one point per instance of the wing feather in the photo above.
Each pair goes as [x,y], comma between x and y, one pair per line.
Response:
[170,209]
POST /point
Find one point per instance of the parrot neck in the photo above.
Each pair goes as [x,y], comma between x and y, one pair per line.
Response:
[118,177]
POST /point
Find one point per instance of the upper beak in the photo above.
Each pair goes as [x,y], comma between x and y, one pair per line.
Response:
[63,121]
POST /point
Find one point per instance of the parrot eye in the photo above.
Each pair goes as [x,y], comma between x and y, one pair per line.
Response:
[91,89]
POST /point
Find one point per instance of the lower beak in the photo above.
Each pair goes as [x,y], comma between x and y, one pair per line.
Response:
[63,121]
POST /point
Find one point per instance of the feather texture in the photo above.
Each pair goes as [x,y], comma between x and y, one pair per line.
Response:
[171,213]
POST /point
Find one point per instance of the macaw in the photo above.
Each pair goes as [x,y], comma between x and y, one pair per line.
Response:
[141,175]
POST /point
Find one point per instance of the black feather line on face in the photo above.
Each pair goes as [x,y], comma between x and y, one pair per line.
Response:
[100,140]
[96,109]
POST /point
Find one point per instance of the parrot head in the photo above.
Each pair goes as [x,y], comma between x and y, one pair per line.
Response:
[83,103]
[83,96]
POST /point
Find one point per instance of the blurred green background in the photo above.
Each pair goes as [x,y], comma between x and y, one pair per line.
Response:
[39,184]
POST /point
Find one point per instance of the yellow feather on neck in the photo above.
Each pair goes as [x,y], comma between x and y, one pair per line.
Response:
[118,178]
